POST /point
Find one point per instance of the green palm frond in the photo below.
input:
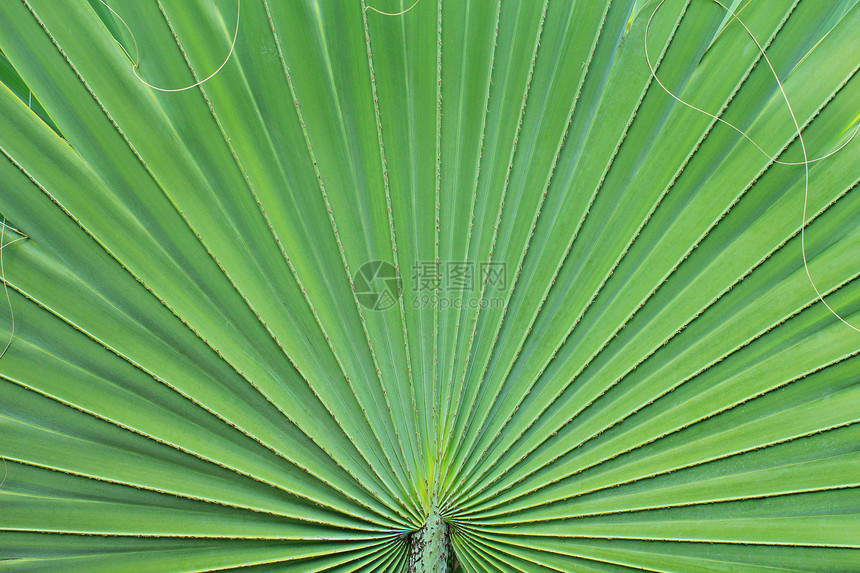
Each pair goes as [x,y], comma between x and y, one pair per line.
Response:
[375,285]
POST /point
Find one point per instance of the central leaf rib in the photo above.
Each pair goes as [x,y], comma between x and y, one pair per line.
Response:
[429,547]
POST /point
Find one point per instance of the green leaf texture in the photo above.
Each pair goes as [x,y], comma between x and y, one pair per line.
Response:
[464,259]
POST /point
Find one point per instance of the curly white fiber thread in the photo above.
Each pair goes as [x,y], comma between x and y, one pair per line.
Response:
[3,227]
[806,161]
[366,8]
[136,60]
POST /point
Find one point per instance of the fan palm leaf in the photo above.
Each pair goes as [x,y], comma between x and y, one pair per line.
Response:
[374,285]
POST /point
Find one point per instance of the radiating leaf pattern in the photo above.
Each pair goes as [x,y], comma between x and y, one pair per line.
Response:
[468,261]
